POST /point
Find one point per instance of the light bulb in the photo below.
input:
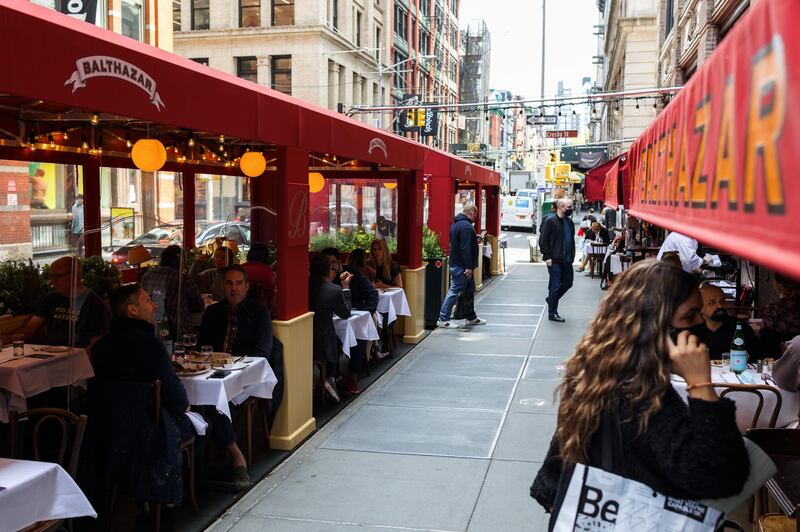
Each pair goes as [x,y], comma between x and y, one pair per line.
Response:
[95,119]
[221,139]
[51,141]
[191,141]
[64,135]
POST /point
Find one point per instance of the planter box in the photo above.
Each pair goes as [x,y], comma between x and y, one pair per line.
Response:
[10,324]
[435,289]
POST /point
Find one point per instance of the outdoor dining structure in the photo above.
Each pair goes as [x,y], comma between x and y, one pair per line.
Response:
[80,95]
[718,164]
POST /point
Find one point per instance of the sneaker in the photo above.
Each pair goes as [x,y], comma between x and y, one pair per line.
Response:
[330,387]
[556,317]
[241,480]
[476,321]
[445,324]
[383,354]
[351,384]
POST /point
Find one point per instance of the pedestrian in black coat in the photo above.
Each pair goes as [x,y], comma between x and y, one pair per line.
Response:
[557,244]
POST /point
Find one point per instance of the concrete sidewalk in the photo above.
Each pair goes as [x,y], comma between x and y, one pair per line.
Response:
[448,440]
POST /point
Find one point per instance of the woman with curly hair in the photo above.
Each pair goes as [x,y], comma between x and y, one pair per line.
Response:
[387,272]
[620,374]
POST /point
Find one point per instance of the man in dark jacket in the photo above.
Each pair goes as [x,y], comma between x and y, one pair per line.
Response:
[238,324]
[463,261]
[132,352]
[557,244]
[326,299]
[363,296]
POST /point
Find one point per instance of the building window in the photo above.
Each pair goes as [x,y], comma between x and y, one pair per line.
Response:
[201,60]
[200,15]
[424,42]
[246,68]
[133,19]
[176,15]
[454,7]
[378,42]
[425,7]
[249,13]
[281,71]
[282,12]
[670,18]
[335,12]
[401,22]
[358,28]
[399,74]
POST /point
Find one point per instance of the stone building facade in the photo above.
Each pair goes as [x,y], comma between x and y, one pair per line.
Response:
[332,53]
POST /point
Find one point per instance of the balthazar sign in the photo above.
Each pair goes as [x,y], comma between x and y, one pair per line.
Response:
[105,66]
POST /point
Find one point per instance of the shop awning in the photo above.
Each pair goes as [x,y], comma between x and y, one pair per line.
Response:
[720,162]
[595,181]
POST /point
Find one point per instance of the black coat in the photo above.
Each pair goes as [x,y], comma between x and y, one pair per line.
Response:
[688,452]
[253,328]
[604,236]
[363,294]
[325,300]
[551,239]
[463,243]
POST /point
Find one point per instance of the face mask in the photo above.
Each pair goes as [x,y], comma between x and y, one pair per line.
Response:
[718,315]
[568,212]
[696,330]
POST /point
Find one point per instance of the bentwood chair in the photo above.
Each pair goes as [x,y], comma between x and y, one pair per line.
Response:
[758,390]
[783,446]
[49,426]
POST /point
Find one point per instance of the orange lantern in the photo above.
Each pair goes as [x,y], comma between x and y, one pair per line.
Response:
[253,164]
[149,155]
[316,182]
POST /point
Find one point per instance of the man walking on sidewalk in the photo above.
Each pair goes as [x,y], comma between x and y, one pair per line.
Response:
[557,244]
[463,261]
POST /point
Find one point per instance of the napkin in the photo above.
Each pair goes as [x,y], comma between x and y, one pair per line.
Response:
[199,423]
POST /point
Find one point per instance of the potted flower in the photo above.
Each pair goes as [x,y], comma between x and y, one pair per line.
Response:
[21,287]
[435,275]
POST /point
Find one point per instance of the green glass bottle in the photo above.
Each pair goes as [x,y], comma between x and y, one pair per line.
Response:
[738,351]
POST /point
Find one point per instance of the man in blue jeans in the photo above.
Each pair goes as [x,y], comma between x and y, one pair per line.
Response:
[557,244]
[463,261]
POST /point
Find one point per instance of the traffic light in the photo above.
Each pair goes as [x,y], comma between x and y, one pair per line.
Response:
[411,118]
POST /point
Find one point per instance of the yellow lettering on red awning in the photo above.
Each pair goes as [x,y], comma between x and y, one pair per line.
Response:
[699,179]
[670,173]
[682,183]
[765,123]
[724,173]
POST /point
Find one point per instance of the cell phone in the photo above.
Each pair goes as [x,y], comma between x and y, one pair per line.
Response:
[219,374]
[673,333]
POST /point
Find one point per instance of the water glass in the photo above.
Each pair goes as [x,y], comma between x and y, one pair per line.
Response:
[726,362]
[189,340]
[180,351]
[205,352]
[18,342]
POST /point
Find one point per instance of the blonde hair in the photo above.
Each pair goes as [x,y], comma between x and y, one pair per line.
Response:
[384,269]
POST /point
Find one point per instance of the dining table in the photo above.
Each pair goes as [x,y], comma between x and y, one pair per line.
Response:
[393,303]
[31,492]
[41,368]
[359,326]
[254,379]
[747,403]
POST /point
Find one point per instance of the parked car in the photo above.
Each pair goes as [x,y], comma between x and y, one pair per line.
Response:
[158,238]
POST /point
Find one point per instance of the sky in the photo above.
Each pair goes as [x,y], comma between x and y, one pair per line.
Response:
[515,27]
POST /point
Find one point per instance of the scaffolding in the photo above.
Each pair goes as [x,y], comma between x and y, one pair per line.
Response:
[474,81]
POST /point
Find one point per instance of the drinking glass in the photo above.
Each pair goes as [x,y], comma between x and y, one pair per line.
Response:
[726,362]
[205,352]
[189,340]
[180,351]
[18,341]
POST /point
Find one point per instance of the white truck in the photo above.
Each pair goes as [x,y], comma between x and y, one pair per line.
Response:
[519,211]
[520,179]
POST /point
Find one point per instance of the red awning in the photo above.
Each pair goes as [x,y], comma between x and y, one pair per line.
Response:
[611,185]
[595,181]
[719,162]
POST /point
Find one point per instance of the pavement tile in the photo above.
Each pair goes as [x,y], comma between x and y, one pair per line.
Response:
[461,343]
[535,397]
[525,437]
[501,330]
[467,365]
[379,489]
[273,524]
[544,368]
[445,391]
[418,431]
[506,489]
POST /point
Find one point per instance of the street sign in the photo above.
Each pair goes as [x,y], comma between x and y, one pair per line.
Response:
[562,134]
[544,120]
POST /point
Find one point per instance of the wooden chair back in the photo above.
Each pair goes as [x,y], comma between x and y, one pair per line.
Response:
[759,390]
[71,428]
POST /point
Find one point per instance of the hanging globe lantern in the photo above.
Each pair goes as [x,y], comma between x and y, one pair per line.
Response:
[316,182]
[149,155]
[253,164]
[390,186]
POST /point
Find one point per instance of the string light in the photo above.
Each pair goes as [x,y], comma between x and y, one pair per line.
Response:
[221,139]
[637,104]
[128,143]
[51,141]
[64,135]
[95,119]
[191,141]
[100,144]
[84,144]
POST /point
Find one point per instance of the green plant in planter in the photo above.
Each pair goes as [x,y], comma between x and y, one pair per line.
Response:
[21,287]
[431,247]
[99,275]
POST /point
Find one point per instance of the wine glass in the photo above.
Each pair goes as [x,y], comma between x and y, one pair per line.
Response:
[206,353]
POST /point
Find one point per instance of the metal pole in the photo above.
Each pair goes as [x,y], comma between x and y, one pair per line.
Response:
[544,21]
[379,119]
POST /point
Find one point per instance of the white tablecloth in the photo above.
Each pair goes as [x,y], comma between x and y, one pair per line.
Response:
[25,377]
[359,326]
[487,251]
[596,248]
[38,491]
[256,380]
[746,403]
[616,264]
[394,303]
